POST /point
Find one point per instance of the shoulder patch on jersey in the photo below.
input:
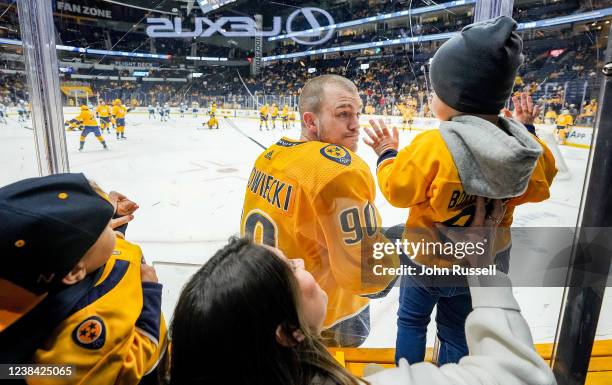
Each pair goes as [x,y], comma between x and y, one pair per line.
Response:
[90,334]
[287,143]
[337,153]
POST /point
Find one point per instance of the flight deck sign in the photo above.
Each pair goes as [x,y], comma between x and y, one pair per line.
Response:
[240,26]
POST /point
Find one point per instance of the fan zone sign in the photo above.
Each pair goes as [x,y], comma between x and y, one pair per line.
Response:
[84,10]
[239,26]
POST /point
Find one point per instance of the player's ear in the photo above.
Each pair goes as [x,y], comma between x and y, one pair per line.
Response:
[311,123]
[76,274]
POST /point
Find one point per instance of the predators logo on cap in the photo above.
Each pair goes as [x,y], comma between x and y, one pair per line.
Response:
[90,334]
[336,153]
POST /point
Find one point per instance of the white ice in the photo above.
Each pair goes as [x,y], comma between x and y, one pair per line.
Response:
[190,183]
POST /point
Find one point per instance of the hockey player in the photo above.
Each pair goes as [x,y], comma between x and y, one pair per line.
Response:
[182,109]
[213,108]
[103,112]
[90,125]
[22,111]
[441,174]
[407,116]
[291,119]
[551,116]
[195,106]
[564,124]
[327,229]
[3,113]
[167,110]
[159,108]
[285,117]
[95,304]
[213,122]
[263,116]
[119,111]
[274,115]
[151,111]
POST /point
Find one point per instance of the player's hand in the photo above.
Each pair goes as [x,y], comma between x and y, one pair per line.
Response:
[524,110]
[147,273]
[118,222]
[381,139]
[483,229]
[122,203]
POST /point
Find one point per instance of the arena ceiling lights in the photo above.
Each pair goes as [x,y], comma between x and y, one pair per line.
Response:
[92,51]
[379,18]
[444,36]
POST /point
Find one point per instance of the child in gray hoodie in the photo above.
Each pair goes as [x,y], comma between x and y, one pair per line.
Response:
[440,174]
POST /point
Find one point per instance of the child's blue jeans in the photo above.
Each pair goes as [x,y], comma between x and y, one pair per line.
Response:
[415,307]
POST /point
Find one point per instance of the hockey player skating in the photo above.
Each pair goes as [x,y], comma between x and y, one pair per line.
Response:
[285,117]
[3,113]
[22,111]
[161,110]
[213,108]
[167,111]
[103,112]
[263,116]
[151,111]
[274,115]
[90,125]
[182,109]
[291,119]
[118,113]
[194,109]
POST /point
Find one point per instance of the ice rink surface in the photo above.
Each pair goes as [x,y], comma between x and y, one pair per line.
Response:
[189,182]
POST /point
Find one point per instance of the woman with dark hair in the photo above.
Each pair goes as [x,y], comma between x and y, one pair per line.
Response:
[251,316]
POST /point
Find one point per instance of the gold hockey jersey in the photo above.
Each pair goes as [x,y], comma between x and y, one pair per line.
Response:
[117,334]
[119,111]
[103,110]
[315,201]
[424,178]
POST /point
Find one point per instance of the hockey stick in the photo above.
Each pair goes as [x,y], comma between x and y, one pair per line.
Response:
[237,129]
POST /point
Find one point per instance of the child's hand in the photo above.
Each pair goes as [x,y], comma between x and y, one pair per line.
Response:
[123,204]
[381,139]
[147,273]
[524,110]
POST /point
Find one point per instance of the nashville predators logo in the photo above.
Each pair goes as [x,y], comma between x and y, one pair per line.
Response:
[90,334]
[336,153]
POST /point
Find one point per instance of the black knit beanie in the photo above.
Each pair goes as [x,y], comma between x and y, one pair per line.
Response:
[474,71]
[46,226]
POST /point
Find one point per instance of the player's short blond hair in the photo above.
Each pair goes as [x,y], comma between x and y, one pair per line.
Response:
[312,95]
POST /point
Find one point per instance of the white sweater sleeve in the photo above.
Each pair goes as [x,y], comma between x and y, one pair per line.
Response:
[499,341]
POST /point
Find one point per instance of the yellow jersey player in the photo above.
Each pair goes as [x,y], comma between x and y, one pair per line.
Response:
[213,122]
[119,111]
[550,117]
[564,123]
[407,116]
[291,118]
[285,117]
[103,112]
[95,305]
[90,126]
[213,108]
[263,116]
[314,199]
[274,115]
